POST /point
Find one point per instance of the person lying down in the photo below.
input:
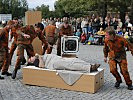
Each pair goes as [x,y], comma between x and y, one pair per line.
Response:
[54,62]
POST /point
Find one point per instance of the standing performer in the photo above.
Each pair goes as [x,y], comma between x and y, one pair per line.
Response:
[14,35]
[50,32]
[4,55]
[66,29]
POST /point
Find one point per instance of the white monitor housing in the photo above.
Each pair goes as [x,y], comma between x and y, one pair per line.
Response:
[69,45]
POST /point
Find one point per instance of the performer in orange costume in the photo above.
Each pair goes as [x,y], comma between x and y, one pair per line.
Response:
[114,49]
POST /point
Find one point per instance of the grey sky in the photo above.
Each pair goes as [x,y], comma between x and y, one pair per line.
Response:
[35,3]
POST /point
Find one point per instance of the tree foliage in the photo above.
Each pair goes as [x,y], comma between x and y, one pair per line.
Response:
[15,7]
[71,7]
[81,7]
[46,13]
[121,6]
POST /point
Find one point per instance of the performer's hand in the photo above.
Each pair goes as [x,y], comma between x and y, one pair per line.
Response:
[49,45]
[64,35]
[26,36]
[8,49]
[105,59]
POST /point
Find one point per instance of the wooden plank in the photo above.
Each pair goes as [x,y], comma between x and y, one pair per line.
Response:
[37,45]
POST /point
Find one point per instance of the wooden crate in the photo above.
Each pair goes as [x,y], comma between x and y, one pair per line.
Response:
[90,82]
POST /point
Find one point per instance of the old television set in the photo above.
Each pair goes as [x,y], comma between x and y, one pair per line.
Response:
[69,45]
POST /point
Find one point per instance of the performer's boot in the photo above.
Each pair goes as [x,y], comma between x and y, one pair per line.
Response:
[1,78]
[23,61]
[17,66]
[130,87]
[6,73]
[117,84]
[14,73]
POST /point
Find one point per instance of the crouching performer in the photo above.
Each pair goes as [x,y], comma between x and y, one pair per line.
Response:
[114,49]
[25,37]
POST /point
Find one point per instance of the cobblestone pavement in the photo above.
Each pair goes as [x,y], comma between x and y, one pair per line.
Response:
[15,90]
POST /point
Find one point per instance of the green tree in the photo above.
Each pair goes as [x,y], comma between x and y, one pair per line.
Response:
[131,11]
[15,7]
[82,7]
[24,7]
[59,11]
[44,9]
[111,5]
[46,13]
[71,7]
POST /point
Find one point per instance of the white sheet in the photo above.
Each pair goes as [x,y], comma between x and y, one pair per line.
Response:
[67,68]
[55,62]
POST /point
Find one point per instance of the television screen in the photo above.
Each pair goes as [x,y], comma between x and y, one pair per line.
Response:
[69,44]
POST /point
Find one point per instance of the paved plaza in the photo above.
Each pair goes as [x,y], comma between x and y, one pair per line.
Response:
[15,89]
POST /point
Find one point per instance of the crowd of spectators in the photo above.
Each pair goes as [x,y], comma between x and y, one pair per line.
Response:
[91,29]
